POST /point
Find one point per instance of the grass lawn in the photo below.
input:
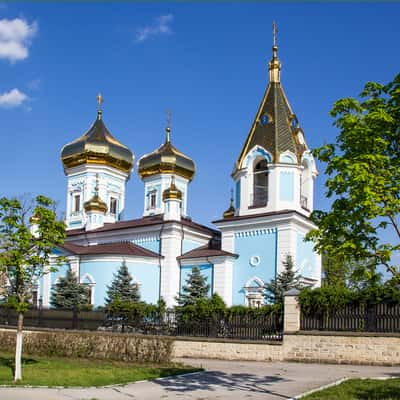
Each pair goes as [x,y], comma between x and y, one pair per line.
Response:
[360,389]
[42,371]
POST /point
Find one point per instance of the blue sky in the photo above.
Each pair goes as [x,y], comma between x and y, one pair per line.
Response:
[205,62]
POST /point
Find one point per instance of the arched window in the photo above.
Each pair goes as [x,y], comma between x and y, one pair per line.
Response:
[260,183]
[254,290]
[305,185]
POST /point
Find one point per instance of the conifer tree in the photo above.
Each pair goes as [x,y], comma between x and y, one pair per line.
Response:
[68,293]
[196,288]
[286,280]
[122,287]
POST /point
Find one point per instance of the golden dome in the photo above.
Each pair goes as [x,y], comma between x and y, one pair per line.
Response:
[167,159]
[172,192]
[97,146]
[95,204]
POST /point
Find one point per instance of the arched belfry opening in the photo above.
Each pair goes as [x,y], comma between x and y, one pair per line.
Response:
[260,183]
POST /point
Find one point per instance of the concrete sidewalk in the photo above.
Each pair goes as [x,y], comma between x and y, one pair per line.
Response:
[221,380]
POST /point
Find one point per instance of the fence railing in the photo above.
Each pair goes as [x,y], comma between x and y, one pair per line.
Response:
[239,326]
[355,318]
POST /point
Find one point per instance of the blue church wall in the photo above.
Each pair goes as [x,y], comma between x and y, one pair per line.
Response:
[61,272]
[306,259]
[257,258]
[152,245]
[148,276]
[206,270]
[188,245]
[286,186]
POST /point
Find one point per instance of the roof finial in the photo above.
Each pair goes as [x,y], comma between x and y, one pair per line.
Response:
[274,64]
[168,128]
[230,212]
[274,32]
[96,188]
[100,100]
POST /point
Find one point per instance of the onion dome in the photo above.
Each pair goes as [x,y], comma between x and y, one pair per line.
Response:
[96,203]
[172,193]
[167,159]
[230,212]
[97,146]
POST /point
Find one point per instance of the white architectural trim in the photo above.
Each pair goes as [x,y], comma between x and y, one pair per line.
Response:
[116,258]
[206,260]
[92,285]
[256,279]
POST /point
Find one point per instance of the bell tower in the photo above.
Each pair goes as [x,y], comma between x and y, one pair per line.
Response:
[275,169]
[274,184]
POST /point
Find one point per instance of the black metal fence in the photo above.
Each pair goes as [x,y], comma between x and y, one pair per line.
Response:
[355,318]
[241,326]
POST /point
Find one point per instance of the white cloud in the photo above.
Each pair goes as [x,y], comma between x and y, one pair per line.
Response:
[160,26]
[13,98]
[15,38]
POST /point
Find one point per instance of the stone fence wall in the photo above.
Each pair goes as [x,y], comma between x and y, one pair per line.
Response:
[300,346]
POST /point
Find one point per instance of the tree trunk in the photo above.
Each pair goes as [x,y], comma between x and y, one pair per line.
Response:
[18,349]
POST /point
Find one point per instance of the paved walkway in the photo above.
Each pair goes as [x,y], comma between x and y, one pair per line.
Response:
[222,380]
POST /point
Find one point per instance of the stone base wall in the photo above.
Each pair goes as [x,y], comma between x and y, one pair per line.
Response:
[320,347]
[329,347]
[350,348]
[227,350]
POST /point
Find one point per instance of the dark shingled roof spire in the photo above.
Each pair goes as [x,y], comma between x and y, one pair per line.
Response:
[275,126]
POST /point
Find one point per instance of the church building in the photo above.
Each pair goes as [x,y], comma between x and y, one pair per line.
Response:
[267,220]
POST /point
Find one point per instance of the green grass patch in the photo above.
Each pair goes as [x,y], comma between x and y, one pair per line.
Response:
[44,371]
[360,389]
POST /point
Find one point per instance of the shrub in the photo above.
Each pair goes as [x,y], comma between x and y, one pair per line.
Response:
[331,298]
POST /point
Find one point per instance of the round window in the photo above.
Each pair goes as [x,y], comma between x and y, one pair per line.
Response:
[254,260]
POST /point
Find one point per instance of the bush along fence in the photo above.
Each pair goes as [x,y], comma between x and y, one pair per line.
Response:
[265,323]
[330,309]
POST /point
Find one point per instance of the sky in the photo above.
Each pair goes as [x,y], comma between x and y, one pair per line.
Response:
[205,62]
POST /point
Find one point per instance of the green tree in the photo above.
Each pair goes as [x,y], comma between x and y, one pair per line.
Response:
[363,169]
[25,253]
[122,287]
[196,288]
[284,281]
[334,271]
[68,293]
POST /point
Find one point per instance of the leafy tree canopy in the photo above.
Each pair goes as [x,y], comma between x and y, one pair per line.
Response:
[363,169]
[25,253]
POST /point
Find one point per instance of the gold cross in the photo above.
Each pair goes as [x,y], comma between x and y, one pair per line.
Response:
[168,119]
[274,31]
[100,100]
